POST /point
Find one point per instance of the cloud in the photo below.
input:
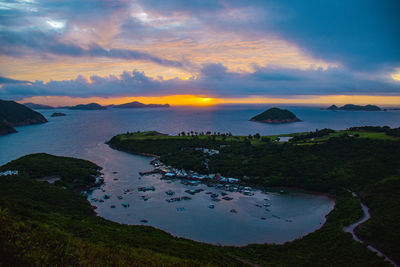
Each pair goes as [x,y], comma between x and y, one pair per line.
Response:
[362,35]
[36,41]
[4,80]
[213,80]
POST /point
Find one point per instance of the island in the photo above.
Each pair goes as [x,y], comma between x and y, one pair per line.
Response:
[37,106]
[136,104]
[15,114]
[352,107]
[58,114]
[90,106]
[39,217]
[276,115]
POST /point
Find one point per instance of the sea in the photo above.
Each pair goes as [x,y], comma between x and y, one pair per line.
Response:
[276,216]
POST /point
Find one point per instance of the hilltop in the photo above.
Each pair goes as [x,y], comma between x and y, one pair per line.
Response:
[15,114]
[276,115]
[90,106]
[136,104]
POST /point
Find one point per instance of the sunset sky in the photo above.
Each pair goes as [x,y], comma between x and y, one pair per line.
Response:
[200,52]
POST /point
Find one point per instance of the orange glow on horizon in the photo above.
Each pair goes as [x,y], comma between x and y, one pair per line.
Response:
[201,100]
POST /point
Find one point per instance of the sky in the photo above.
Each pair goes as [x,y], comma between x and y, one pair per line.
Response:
[206,52]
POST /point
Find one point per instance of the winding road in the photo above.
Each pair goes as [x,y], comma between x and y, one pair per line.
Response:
[350,229]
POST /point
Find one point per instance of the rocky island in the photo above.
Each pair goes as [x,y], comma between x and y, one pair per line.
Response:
[15,114]
[58,114]
[276,115]
[353,107]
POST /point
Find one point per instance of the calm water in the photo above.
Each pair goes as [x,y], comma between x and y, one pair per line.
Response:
[82,134]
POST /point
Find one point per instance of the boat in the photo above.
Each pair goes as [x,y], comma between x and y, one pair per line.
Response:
[144,221]
[145,198]
[146,188]
[233,211]
[211,206]
[125,205]
[170,193]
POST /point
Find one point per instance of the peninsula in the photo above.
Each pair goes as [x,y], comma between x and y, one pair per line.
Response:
[15,114]
[276,115]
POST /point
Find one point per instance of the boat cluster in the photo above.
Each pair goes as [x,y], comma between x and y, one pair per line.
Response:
[193,178]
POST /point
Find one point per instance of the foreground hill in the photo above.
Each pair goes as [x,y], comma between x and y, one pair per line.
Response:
[15,114]
[276,115]
[136,104]
[355,107]
[44,224]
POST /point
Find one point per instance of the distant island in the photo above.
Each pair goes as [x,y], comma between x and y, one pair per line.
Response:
[355,107]
[58,114]
[37,106]
[96,106]
[90,106]
[15,114]
[276,115]
[136,104]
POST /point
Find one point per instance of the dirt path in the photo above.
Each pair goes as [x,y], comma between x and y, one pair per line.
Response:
[350,229]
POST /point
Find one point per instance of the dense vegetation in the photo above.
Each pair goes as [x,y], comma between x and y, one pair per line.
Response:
[385,129]
[275,115]
[44,225]
[358,159]
[316,134]
[75,174]
[14,114]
